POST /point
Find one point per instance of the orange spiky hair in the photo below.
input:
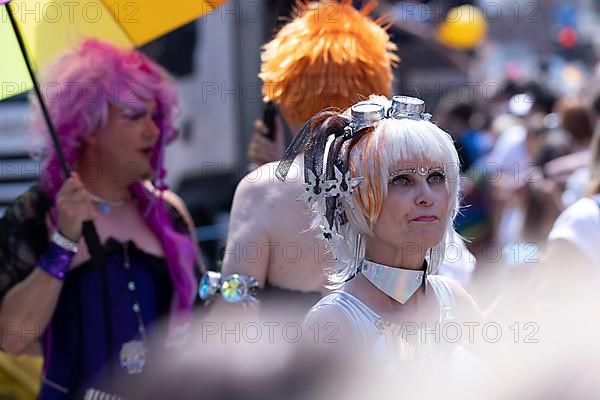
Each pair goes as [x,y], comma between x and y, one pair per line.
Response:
[329,55]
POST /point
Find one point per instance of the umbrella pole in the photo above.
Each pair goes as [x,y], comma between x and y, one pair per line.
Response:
[89,230]
[38,92]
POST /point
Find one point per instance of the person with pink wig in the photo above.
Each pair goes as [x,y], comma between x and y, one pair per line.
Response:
[114,111]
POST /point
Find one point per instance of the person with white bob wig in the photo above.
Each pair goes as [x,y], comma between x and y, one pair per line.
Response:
[384,188]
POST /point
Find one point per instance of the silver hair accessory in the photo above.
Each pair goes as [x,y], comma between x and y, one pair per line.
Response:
[317,187]
[408,107]
[366,114]
[398,283]
[337,187]
[330,236]
[341,186]
[363,115]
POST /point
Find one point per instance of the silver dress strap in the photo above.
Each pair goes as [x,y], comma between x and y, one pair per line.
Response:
[444,295]
[360,316]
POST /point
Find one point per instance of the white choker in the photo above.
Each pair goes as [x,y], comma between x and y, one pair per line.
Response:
[398,283]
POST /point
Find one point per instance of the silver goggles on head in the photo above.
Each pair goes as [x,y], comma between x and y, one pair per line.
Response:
[366,113]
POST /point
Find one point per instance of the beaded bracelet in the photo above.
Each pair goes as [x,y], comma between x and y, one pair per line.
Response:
[64,242]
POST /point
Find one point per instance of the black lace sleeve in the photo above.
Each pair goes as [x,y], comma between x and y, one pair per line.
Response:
[181,226]
[177,219]
[23,237]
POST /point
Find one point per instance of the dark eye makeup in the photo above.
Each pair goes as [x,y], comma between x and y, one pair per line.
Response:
[404,177]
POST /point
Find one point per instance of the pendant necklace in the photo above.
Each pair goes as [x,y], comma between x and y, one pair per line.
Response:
[106,205]
[133,353]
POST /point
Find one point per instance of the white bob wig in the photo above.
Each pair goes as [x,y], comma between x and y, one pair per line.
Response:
[374,156]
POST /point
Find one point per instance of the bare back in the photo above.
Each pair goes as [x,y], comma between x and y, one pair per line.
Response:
[269,232]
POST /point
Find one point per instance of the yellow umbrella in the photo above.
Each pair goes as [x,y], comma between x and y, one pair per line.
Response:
[50,27]
[33,33]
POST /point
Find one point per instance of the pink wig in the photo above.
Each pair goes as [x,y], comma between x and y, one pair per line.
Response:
[78,89]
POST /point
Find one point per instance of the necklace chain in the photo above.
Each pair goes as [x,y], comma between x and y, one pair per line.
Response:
[134,298]
[112,203]
[106,205]
[133,353]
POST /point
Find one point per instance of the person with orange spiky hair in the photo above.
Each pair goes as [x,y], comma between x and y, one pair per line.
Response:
[329,55]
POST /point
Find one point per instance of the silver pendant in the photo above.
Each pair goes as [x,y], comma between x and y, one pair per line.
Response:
[133,356]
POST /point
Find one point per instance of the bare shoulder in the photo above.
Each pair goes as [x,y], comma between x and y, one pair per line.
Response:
[251,192]
[262,184]
[261,177]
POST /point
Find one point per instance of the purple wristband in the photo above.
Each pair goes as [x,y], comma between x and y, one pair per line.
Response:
[56,261]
